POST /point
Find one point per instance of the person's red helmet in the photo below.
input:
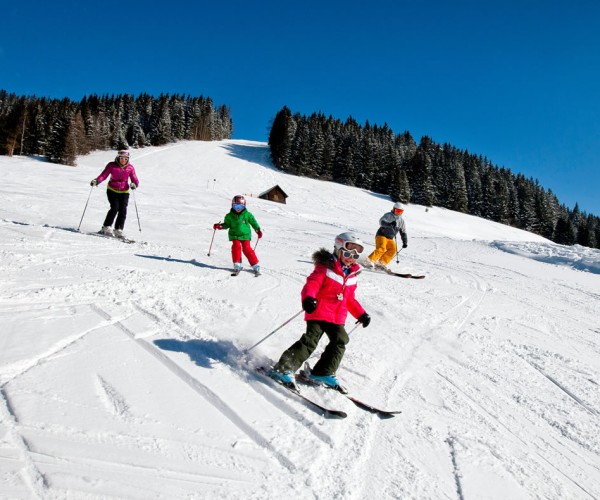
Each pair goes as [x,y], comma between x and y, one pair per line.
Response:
[238,200]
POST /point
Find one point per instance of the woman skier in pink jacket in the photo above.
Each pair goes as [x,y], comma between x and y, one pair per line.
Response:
[120,172]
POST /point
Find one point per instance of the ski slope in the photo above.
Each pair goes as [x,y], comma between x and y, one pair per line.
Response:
[123,371]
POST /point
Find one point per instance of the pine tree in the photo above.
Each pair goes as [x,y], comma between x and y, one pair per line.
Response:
[280,138]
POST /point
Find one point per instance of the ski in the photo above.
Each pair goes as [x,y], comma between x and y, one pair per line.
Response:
[401,275]
[382,414]
[326,412]
[393,273]
[236,272]
[109,237]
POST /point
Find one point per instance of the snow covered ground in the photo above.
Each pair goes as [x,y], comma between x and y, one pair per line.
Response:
[123,372]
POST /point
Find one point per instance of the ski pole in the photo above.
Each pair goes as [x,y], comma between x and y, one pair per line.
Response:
[212,239]
[136,210]
[256,244]
[276,329]
[397,259]
[86,204]
[355,327]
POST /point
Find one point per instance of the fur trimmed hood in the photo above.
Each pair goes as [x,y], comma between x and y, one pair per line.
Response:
[324,257]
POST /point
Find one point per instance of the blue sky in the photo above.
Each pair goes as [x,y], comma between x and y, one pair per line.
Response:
[518,82]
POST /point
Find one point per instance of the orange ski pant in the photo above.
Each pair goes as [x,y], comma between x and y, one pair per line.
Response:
[385,249]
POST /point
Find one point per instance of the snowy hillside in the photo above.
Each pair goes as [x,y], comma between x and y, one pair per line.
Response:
[123,373]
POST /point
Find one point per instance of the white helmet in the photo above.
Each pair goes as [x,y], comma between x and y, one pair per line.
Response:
[123,153]
[398,208]
[348,241]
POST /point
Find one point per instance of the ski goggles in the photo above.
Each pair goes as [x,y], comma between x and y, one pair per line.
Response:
[349,245]
[350,254]
[238,207]
[398,211]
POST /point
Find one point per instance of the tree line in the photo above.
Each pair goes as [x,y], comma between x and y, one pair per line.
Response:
[62,129]
[374,158]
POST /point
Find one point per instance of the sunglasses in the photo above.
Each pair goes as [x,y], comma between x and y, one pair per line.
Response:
[348,254]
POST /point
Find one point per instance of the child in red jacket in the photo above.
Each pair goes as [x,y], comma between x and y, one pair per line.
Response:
[327,298]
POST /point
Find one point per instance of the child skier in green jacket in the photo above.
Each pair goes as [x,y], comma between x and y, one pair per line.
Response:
[239,221]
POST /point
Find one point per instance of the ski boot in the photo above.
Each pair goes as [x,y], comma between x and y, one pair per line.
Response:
[284,378]
[329,381]
[237,268]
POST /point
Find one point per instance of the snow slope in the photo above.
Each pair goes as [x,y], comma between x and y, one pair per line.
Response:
[123,372]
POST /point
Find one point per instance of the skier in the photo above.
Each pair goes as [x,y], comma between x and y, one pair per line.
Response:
[238,221]
[327,297]
[120,171]
[390,224]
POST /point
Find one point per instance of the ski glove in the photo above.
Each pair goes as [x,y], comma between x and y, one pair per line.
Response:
[94,182]
[218,225]
[365,319]
[133,185]
[259,234]
[309,304]
[404,245]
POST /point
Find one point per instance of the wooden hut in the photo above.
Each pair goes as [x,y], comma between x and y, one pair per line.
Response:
[274,194]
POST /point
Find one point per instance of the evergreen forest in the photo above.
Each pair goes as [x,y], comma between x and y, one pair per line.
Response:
[374,158]
[62,129]
[371,157]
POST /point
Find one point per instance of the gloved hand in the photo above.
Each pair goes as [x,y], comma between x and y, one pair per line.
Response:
[218,225]
[94,182]
[309,304]
[133,185]
[364,319]
[259,233]
[404,245]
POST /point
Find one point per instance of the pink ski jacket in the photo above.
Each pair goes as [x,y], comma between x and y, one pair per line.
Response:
[333,290]
[119,177]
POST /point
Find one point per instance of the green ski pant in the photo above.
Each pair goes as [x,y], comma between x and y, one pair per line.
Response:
[293,358]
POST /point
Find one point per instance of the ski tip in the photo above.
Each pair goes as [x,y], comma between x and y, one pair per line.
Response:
[336,414]
[387,415]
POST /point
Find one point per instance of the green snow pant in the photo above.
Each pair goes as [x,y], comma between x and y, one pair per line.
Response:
[300,351]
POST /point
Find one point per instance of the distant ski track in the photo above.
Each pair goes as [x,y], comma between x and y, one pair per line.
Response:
[12,372]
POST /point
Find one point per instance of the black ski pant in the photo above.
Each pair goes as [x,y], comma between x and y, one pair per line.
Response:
[300,351]
[118,208]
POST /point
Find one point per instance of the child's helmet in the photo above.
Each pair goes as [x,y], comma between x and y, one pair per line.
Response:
[238,200]
[348,241]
